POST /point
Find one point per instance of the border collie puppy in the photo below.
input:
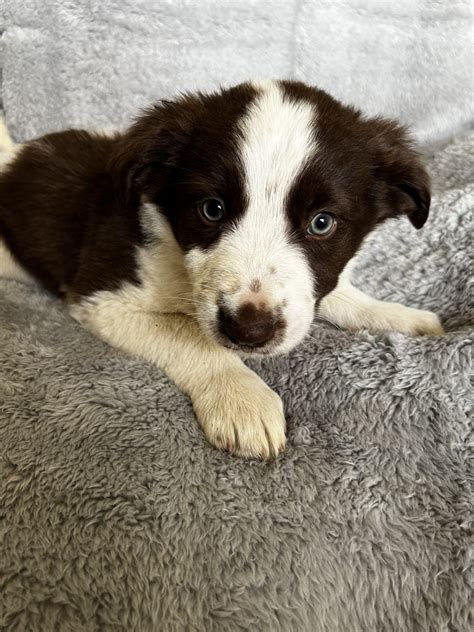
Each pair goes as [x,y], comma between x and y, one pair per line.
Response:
[215,228]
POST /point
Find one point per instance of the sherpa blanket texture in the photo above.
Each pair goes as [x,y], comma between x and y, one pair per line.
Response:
[116,514]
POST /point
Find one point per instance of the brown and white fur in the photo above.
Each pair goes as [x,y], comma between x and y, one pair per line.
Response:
[117,226]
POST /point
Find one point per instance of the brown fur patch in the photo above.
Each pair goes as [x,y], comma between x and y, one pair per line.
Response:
[60,217]
[363,172]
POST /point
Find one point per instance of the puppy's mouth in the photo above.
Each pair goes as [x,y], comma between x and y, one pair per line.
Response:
[247,349]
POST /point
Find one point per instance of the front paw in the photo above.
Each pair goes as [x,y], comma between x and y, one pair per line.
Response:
[417,322]
[240,413]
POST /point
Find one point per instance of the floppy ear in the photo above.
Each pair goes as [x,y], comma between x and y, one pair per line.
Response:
[401,183]
[150,148]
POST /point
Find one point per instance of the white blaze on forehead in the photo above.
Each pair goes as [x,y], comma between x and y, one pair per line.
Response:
[277,138]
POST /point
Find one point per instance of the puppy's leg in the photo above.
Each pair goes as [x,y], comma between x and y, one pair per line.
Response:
[235,408]
[350,308]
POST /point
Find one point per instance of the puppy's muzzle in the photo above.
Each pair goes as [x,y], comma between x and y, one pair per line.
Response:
[251,325]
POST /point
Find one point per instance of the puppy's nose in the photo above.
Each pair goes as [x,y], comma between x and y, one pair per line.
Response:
[251,325]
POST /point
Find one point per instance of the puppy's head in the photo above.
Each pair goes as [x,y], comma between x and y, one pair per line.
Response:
[268,189]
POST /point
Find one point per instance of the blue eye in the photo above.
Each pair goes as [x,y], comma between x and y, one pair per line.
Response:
[212,209]
[322,225]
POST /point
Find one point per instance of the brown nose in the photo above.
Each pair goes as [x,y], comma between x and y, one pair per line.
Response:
[250,326]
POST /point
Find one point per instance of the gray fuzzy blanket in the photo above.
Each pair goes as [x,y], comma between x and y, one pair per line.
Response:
[115,514]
